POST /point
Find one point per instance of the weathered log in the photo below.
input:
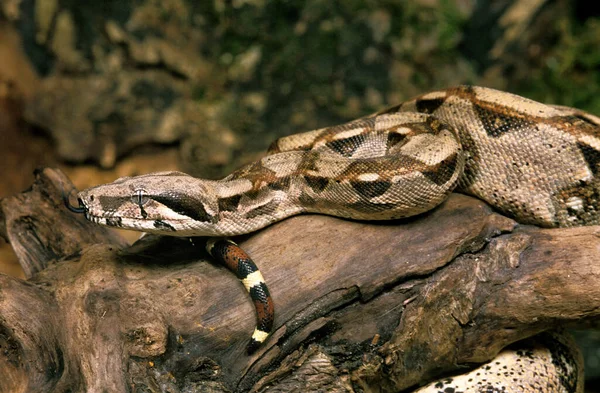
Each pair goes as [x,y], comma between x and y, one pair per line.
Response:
[358,304]
[39,228]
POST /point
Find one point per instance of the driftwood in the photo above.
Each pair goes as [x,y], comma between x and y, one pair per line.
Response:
[360,306]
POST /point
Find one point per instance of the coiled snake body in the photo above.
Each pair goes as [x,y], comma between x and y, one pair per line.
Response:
[534,162]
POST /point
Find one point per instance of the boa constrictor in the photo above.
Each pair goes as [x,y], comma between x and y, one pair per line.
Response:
[534,162]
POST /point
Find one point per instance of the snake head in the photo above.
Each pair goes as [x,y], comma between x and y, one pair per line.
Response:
[160,202]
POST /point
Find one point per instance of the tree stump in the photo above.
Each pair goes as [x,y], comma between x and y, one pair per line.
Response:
[359,305]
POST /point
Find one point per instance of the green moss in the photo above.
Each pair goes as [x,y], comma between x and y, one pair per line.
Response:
[568,74]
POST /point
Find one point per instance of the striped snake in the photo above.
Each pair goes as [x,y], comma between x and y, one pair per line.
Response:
[534,162]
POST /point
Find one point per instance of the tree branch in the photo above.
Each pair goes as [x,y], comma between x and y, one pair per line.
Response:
[381,305]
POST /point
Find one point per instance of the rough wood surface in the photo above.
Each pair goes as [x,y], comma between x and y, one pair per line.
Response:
[359,306]
[40,229]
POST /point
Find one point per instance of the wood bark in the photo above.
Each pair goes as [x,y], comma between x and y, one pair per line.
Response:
[360,306]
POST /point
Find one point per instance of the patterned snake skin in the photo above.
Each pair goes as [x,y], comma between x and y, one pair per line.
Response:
[536,163]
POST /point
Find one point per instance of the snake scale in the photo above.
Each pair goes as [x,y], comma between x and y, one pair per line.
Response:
[534,162]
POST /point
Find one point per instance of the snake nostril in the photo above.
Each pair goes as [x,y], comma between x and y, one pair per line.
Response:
[91,197]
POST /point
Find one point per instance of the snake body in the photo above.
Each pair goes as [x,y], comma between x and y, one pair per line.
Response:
[534,162]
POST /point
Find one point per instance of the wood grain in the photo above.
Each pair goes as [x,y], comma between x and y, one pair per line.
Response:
[358,305]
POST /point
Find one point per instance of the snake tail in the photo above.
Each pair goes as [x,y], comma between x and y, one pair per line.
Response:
[236,260]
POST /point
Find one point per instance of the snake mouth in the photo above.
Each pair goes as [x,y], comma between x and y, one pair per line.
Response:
[96,219]
[92,218]
[104,220]
[132,223]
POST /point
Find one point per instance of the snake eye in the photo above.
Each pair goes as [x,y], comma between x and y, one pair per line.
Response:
[139,197]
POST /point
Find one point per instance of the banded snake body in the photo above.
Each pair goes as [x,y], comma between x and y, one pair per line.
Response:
[534,162]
